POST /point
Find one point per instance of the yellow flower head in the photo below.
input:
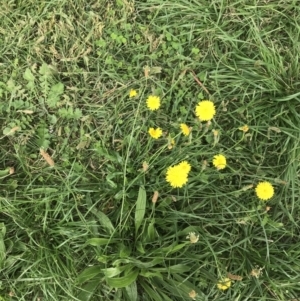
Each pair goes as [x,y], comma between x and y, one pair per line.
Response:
[132,93]
[264,190]
[193,294]
[205,110]
[185,129]
[244,128]
[185,166]
[224,284]
[193,237]
[155,133]
[219,162]
[153,102]
[176,176]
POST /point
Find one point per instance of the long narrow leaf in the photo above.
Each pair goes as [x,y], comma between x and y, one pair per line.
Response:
[88,274]
[88,290]
[131,291]
[140,208]
[123,281]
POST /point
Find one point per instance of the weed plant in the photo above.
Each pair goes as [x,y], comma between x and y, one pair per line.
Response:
[87,207]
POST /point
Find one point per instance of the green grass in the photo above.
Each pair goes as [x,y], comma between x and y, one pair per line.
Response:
[86,229]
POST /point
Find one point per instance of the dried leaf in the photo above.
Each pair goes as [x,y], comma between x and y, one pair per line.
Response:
[279,181]
[234,277]
[275,129]
[26,111]
[155,69]
[171,142]
[247,187]
[155,197]
[173,198]
[11,170]
[13,130]
[145,166]
[82,144]
[47,157]
[146,71]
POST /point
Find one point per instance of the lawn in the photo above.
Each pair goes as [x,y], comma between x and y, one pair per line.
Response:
[149,150]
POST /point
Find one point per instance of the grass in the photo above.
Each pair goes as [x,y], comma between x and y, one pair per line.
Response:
[86,228]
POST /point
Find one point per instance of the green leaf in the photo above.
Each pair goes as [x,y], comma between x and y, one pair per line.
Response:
[2,245]
[54,95]
[57,89]
[99,241]
[105,221]
[4,172]
[112,272]
[151,231]
[173,248]
[77,114]
[30,78]
[140,208]
[131,291]
[123,281]
[43,136]
[179,268]
[265,220]
[146,265]
[45,190]
[45,70]
[153,294]
[89,273]
[28,75]
[88,290]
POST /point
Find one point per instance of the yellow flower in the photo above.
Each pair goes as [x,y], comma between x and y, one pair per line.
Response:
[177,175]
[155,133]
[193,294]
[264,190]
[132,93]
[153,102]
[193,237]
[185,166]
[224,284]
[205,110]
[219,161]
[244,128]
[185,129]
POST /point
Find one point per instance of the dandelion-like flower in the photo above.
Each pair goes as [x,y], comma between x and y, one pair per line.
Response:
[177,175]
[155,133]
[219,161]
[186,166]
[153,102]
[132,93]
[205,110]
[224,284]
[193,294]
[264,190]
[244,128]
[193,237]
[185,129]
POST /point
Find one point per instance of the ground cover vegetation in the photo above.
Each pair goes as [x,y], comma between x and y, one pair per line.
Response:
[149,150]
